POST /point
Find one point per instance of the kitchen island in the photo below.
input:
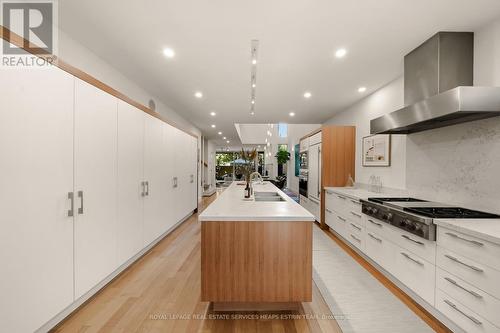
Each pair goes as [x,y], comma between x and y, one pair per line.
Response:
[256,254]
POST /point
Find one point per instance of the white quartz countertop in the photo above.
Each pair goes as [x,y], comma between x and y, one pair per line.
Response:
[231,206]
[356,193]
[486,229]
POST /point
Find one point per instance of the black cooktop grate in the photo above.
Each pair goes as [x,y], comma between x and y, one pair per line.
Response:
[451,213]
[382,200]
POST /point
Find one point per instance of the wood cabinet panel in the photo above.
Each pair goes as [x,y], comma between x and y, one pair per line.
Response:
[256,261]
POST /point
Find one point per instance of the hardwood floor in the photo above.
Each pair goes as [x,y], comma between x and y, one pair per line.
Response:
[161,293]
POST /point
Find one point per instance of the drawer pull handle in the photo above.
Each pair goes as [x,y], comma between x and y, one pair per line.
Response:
[356,214]
[474,268]
[410,258]
[464,239]
[376,238]
[356,238]
[341,218]
[355,226]
[377,224]
[455,283]
[356,202]
[329,211]
[412,240]
[454,307]
[328,192]
[341,197]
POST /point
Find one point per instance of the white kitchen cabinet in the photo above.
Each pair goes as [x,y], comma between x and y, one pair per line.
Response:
[131,188]
[36,175]
[314,174]
[156,201]
[95,186]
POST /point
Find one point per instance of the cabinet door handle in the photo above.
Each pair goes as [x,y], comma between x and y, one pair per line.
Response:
[147,188]
[355,226]
[474,268]
[329,211]
[356,214]
[356,202]
[80,195]
[313,200]
[355,238]
[455,283]
[376,223]
[410,258]
[376,238]
[454,307]
[412,240]
[341,218]
[192,179]
[143,186]
[71,197]
[341,197]
[464,239]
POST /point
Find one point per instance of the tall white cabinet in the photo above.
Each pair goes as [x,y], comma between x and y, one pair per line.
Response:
[87,184]
[95,185]
[36,175]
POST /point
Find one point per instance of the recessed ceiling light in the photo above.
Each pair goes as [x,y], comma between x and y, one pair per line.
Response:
[168,52]
[269,144]
[340,53]
[227,141]
[224,138]
[254,61]
[198,94]
[253,102]
[292,114]
[220,133]
[258,146]
[213,114]
[307,94]
[252,113]
[213,126]
[254,85]
[361,89]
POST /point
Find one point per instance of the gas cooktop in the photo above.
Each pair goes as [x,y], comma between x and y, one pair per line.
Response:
[416,215]
[450,213]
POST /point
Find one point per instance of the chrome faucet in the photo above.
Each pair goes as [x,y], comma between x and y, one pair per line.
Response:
[259,177]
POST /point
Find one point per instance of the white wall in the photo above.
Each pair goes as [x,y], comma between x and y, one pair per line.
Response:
[77,55]
[458,164]
[384,100]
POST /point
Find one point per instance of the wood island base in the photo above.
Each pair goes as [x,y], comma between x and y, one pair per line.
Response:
[249,263]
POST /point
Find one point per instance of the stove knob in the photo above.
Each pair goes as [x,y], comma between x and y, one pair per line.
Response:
[366,209]
[389,216]
[412,226]
[403,223]
[374,210]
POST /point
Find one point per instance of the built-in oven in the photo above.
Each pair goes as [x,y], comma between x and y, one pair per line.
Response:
[303,183]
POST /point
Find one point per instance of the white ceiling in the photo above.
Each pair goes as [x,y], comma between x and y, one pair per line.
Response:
[298,39]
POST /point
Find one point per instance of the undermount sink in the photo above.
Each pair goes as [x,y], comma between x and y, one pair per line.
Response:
[268,196]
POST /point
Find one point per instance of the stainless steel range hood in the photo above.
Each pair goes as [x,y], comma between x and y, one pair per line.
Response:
[438,88]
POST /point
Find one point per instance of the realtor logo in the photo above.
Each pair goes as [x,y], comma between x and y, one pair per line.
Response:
[33,22]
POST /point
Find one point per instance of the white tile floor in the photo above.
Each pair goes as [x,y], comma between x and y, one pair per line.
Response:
[360,303]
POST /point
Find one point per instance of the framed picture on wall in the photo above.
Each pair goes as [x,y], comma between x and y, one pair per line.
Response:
[377,150]
[297,160]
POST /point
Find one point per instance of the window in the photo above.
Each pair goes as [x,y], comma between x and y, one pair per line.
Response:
[282,130]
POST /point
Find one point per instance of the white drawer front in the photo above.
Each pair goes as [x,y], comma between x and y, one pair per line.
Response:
[354,207]
[419,246]
[381,251]
[465,318]
[476,274]
[416,273]
[470,296]
[470,247]
[339,223]
[339,203]
[355,235]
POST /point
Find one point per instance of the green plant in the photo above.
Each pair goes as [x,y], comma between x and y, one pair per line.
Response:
[282,156]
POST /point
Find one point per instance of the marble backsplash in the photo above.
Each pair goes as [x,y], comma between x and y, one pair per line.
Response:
[458,165]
